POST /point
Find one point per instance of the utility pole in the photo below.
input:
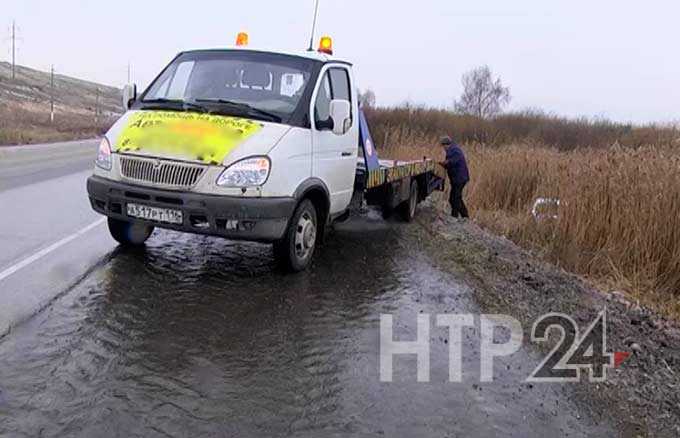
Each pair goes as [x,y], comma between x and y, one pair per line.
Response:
[129,76]
[52,94]
[14,49]
[96,108]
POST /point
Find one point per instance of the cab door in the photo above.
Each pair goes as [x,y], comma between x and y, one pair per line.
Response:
[334,157]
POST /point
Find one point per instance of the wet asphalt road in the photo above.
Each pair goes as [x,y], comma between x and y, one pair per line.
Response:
[38,163]
[197,336]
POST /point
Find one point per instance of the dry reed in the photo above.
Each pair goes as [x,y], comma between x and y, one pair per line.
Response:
[618,222]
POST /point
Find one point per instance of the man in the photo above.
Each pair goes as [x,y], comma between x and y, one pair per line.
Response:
[456,168]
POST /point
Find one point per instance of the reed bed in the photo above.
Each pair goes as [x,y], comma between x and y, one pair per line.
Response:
[618,219]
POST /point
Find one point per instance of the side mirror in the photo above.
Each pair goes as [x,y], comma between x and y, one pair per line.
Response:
[340,112]
[129,95]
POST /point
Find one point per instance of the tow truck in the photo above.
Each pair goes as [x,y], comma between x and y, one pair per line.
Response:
[252,145]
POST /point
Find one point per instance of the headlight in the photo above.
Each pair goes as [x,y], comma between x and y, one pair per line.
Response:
[249,172]
[104,155]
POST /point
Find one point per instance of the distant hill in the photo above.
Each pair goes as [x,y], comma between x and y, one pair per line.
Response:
[25,106]
[73,94]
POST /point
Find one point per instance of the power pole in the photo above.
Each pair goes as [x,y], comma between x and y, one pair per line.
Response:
[52,94]
[96,108]
[14,49]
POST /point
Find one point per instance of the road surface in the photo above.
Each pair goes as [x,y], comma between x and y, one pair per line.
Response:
[23,165]
[198,336]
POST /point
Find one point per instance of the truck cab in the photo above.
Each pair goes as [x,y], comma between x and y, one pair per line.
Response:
[239,143]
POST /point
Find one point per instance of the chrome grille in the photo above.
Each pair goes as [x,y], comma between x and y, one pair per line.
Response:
[164,173]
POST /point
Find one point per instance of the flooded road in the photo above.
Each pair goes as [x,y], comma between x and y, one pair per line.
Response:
[197,336]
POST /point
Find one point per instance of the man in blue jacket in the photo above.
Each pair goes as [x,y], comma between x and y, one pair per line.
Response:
[456,168]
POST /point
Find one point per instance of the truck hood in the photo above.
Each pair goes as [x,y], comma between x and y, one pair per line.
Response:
[187,136]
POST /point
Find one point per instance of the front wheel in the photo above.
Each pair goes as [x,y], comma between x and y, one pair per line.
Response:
[294,252]
[129,234]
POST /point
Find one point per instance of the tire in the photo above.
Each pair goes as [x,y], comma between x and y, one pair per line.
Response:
[295,251]
[386,211]
[129,234]
[407,209]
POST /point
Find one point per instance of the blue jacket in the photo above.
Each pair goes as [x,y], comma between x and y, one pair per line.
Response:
[456,166]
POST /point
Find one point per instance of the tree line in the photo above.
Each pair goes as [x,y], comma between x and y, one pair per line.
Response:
[483,95]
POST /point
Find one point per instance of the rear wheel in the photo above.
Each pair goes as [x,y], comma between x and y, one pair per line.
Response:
[408,207]
[386,211]
[294,252]
[129,234]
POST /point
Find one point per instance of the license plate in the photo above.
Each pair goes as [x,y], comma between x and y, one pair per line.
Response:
[166,215]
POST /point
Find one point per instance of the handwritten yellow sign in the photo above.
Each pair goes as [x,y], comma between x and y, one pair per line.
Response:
[191,136]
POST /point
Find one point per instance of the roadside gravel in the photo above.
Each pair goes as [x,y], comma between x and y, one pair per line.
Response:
[643,394]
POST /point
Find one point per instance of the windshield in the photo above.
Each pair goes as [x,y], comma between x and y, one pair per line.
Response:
[256,85]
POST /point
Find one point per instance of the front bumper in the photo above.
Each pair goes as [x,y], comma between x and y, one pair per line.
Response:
[255,219]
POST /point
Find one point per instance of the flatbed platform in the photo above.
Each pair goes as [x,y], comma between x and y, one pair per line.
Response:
[392,183]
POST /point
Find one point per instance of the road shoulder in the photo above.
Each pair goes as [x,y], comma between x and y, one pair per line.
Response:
[642,395]
[50,236]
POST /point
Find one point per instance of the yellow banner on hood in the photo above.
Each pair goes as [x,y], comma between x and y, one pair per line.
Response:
[191,136]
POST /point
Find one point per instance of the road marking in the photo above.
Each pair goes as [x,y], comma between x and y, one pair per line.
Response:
[43,252]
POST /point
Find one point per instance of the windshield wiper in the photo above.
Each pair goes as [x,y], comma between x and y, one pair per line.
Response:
[178,102]
[248,109]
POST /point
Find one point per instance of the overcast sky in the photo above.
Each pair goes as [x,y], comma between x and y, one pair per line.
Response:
[609,58]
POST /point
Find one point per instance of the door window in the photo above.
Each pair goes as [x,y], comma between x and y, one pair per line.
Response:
[341,90]
[340,84]
[334,85]
[323,101]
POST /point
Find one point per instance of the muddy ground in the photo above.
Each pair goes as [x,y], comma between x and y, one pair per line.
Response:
[642,396]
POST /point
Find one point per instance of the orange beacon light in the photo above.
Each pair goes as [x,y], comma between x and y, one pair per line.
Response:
[242,39]
[326,45]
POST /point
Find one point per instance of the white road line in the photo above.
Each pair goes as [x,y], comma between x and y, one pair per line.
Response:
[43,252]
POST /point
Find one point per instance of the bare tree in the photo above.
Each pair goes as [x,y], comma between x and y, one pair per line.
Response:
[483,96]
[367,98]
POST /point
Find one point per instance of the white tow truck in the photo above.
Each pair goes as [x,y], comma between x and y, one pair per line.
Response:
[248,144]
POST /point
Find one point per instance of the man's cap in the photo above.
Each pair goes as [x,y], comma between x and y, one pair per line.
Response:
[445,141]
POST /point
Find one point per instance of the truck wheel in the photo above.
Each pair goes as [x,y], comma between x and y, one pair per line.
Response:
[294,252]
[386,211]
[129,234]
[408,207]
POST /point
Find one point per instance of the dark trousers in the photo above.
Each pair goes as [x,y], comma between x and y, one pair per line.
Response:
[458,207]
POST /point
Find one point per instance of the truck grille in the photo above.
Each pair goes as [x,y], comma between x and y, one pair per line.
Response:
[168,174]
